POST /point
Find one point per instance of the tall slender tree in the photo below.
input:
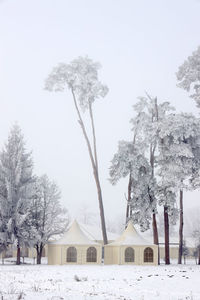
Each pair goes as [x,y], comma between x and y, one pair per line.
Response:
[81,77]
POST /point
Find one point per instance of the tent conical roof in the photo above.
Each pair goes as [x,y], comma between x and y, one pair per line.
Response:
[74,236]
[130,237]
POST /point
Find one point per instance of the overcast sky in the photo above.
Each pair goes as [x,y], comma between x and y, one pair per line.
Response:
[140,45]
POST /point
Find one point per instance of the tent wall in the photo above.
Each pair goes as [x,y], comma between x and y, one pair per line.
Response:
[57,254]
[116,255]
[111,255]
[54,254]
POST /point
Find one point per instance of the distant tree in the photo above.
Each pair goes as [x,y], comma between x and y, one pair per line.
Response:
[196,236]
[15,189]
[185,251]
[188,75]
[81,77]
[47,217]
[86,215]
[172,229]
[192,229]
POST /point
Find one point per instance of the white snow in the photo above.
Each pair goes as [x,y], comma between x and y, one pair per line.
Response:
[114,282]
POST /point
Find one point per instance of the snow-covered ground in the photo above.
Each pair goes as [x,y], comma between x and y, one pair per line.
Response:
[99,282]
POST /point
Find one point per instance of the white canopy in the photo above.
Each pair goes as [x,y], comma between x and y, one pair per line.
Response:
[130,237]
[74,236]
[95,233]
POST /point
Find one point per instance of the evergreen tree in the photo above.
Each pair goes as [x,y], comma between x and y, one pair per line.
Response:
[15,189]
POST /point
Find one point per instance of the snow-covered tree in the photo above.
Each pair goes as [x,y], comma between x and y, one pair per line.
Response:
[81,78]
[179,145]
[141,157]
[47,217]
[15,189]
[130,161]
[188,75]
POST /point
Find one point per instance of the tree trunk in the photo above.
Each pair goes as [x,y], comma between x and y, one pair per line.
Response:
[103,225]
[155,235]
[184,259]
[180,250]
[127,213]
[39,254]
[155,230]
[18,255]
[166,224]
[128,208]
[94,163]
[199,256]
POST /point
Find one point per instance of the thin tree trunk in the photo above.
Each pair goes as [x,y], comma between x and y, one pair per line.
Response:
[154,221]
[128,208]
[18,255]
[127,213]
[180,250]
[166,223]
[199,256]
[184,259]
[155,230]
[3,256]
[94,137]
[155,235]
[94,166]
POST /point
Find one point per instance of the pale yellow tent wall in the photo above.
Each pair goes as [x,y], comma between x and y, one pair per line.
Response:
[57,254]
[116,255]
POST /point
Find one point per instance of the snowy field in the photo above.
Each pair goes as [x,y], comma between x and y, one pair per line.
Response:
[99,282]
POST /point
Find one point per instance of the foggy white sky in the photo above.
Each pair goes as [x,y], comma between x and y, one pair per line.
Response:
[140,45]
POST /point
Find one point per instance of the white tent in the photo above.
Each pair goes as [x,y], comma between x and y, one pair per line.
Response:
[74,248]
[131,248]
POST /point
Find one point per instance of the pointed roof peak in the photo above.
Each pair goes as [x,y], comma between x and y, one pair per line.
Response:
[130,227]
[130,236]
[74,236]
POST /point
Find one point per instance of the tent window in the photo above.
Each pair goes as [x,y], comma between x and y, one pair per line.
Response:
[148,255]
[129,255]
[71,254]
[91,254]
